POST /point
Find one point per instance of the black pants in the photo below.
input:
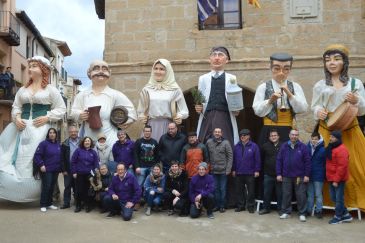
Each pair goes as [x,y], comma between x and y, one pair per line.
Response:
[245,190]
[207,202]
[182,204]
[82,185]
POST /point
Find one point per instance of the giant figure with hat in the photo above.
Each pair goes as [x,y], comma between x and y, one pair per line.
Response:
[337,94]
[278,100]
[36,106]
[93,106]
[215,112]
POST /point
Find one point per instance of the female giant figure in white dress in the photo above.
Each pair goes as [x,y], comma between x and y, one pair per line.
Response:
[161,100]
[36,105]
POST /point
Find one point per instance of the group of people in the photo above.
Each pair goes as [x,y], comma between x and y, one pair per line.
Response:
[186,172]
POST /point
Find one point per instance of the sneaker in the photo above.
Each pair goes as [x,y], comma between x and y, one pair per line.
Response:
[346,218]
[222,210]
[284,216]
[110,215]
[211,215]
[170,212]
[302,218]
[264,211]
[148,211]
[335,220]
[43,209]
[53,207]
[318,215]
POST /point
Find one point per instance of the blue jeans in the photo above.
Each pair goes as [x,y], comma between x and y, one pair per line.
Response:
[69,184]
[337,196]
[314,189]
[48,183]
[142,176]
[220,182]
[117,206]
[153,200]
[112,166]
[271,184]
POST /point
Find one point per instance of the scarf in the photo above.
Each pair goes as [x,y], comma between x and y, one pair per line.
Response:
[156,179]
[330,147]
[101,146]
[168,83]
[175,175]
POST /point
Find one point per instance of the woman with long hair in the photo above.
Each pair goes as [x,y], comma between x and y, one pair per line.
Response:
[47,158]
[35,106]
[328,94]
[84,163]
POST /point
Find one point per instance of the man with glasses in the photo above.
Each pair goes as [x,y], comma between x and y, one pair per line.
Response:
[214,112]
[278,100]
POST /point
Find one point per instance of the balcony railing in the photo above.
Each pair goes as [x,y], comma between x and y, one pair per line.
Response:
[9,28]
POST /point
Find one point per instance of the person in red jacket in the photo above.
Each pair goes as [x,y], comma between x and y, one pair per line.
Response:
[337,160]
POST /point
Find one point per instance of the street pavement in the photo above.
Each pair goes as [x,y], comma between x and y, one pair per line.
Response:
[23,222]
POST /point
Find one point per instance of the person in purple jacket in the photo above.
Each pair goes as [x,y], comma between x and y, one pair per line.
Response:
[123,152]
[246,167]
[293,167]
[123,193]
[84,161]
[201,192]
[47,158]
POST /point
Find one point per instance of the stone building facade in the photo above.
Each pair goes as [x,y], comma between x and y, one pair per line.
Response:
[139,32]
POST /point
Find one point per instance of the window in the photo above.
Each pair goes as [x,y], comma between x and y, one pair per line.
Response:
[219,14]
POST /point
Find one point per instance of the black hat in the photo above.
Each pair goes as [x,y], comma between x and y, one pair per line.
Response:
[337,134]
[244,132]
[282,57]
[222,49]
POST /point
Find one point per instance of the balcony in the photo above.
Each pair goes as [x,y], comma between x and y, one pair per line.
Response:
[9,28]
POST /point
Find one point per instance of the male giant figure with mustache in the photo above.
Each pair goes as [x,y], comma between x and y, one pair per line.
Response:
[100,94]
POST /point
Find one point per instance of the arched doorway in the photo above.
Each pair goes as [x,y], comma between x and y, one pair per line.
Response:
[246,118]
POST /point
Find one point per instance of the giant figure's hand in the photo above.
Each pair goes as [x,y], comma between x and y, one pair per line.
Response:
[40,121]
[124,126]
[199,108]
[322,114]
[352,98]
[84,116]
[177,120]
[20,124]
[143,119]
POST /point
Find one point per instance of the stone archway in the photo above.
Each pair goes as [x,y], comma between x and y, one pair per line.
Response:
[246,118]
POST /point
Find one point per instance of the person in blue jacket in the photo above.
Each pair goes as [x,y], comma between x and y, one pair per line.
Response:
[84,162]
[47,158]
[154,187]
[318,173]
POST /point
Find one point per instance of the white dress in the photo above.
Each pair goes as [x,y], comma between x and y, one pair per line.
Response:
[17,147]
[108,99]
[160,109]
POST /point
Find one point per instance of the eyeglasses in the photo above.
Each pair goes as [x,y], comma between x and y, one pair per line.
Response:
[218,54]
[277,69]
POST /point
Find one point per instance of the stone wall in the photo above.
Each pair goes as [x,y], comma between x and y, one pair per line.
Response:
[138,32]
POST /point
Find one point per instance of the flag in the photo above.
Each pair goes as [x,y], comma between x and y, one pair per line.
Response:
[207,8]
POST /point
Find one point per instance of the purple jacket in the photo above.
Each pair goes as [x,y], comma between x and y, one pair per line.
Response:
[124,152]
[200,185]
[126,189]
[48,154]
[246,160]
[293,162]
[84,160]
